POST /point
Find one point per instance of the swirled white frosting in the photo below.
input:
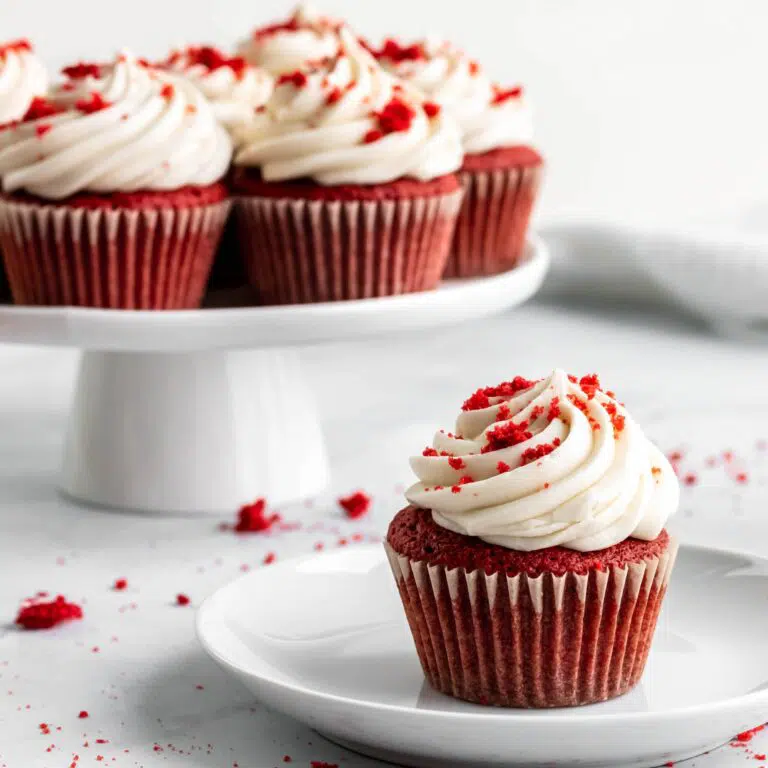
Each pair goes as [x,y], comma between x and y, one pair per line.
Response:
[22,77]
[283,47]
[329,123]
[123,128]
[234,87]
[489,117]
[550,463]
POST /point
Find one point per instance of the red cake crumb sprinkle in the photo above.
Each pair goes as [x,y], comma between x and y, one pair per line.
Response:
[480,399]
[463,481]
[269,558]
[45,729]
[35,614]
[81,70]
[182,599]
[15,46]
[212,59]
[334,95]
[432,109]
[690,479]
[396,52]
[120,585]
[539,452]
[474,68]
[42,128]
[502,95]
[554,409]
[40,108]
[372,136]
[742,478]
[759,757]
[252,518]
[503,414]
[536,412]
[83,714]
[287,759]
[746,736]
[94,103]
[429,452]
[167,91]
[356,505]
[655,471]
[617,419]
[669,764]
[675,456]
[292,25]
[321,764]
[456,463]
[297,79]
[503,467]
[506,435]
[396,116]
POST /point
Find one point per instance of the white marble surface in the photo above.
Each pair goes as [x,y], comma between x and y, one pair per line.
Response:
[380,400]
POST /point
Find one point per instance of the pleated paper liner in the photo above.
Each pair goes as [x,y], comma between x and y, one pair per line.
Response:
[298,251]
[492,225]
[523,642]
[156,258]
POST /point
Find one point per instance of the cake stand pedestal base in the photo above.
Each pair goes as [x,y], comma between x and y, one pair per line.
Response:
[198,432]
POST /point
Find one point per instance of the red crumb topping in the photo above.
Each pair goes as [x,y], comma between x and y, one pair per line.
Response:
[396,116]
[120,584]
[167,91]
[539,452]
[429,452]
[321,764]
[481,400]
[503,414]
[42,128]
[536,412]
[270,558]
[41,108]
[334,95]
[590,384]
[252,518]
[83,714]
[211,58]
[94,103]
[287,759]
[464,481]
[182,599]
[742,478]
[36,614]
[617,419]
[745,736]
[396,52]
[506,435]
[15,46]
[297,79]
[356,505]
[554,409]
[373,135]
[690,479]
[655,471]
[292,25]
[502,95]
[474,68]
[81,70]
[503,467]
[456,462]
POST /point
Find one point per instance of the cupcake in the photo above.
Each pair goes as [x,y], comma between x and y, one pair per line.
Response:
[234,87]
[346,185]
[22,77]
[288,45]
[112,193]
[533,560]
[501,171]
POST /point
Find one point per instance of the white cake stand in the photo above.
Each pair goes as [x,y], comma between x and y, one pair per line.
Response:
[200,411]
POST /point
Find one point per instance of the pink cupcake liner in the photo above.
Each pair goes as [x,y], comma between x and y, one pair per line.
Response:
[156,258]
[524,642]
[490,232]
[298,251]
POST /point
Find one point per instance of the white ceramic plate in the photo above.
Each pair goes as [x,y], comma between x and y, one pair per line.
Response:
[323,639]
[455,301]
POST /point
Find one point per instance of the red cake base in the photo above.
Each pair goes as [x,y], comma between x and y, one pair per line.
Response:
[553,628]
[142,250]
[302,242]
[500,189]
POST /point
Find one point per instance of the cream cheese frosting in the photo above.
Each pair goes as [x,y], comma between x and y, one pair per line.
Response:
[556,462]
[346,121]
[489,117]
[118,127]
[22,77]
[234,87]
[285,46]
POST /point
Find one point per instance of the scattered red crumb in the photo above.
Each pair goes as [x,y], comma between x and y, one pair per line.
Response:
[120,585]
[506,435]
[342,542]
[728,455]
[83,714]
[675,456]
[357,537]
[429,452]
[191,109]
[252,518]
[36,614]
[536,412]
[759,757]
[94,103]
[481,398]
[669,764]
[742,478]
[95,649]
[617,419]
[292,25]
[432,110]
[199,687]
[40,108]
[321,764]
[539,452]
[211,58]
[297,79]
[42,128]
[82,70]
[456,462]
[319,546]
[287,759]
[655,471]
[554,409]
[502,467]
[269,558]
[334,95]
[396,52]
[356,505]
[474,68]
[15,46]
[396,116]
[102,741]
[182,599]
[167,91]
[45,729]
[746,736]
[590,384]
[502,95]
[463,481]
[690,479]
[372,136]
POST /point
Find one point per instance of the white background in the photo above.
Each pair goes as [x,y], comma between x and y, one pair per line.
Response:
[647,109]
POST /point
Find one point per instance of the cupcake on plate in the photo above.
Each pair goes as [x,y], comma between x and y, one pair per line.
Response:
[235,88]
[533,560]
[288,45]
[346,185]
[502,169]
[112,193]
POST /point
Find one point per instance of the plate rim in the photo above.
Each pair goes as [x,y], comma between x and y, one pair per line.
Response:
[576,716]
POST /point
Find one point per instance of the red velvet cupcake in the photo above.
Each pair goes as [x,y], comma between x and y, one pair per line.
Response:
[533,562]
[345,185]
[501,173]
[112,191]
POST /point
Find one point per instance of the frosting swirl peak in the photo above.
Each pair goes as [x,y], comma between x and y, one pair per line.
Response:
[22,77]
[556,462]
